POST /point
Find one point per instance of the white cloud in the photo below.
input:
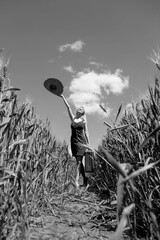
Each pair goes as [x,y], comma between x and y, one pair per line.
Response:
[69,69]
[98,65]
[89,101]
[129,108]
[87,89]
[74,47]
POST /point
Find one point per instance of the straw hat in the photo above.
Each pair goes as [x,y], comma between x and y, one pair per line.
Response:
[54,86]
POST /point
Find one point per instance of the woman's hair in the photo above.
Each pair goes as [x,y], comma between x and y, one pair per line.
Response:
[83,109]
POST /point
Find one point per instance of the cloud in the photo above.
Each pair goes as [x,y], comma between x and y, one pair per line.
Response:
[74,47]
[129,109]
[89,101]
[98,65]
[87,89]
[69,69]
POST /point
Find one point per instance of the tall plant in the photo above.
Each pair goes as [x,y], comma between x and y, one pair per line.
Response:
[33,165]
[135,142]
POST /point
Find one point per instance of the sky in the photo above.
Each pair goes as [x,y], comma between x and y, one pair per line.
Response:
[98,49]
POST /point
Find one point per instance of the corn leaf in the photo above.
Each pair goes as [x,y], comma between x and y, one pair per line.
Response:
[119,110]
[139,171]
[123,223]
[151,135]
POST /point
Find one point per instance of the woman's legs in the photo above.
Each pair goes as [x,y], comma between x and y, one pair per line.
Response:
[80,170]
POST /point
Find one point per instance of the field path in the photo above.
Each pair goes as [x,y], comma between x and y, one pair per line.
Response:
[78,216]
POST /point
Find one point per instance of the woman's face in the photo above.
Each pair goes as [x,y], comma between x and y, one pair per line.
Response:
[80,111]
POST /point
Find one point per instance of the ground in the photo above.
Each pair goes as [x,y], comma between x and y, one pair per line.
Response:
[79,216]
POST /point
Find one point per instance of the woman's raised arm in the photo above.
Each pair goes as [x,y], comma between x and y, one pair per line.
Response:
[71,115]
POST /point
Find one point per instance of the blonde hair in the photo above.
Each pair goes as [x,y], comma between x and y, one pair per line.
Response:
[83,109]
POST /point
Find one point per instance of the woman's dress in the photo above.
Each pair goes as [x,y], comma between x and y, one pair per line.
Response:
[77,139]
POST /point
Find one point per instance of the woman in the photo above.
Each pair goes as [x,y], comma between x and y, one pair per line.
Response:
[79,136]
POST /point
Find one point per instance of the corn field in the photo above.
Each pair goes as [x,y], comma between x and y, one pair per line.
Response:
[36,170]
[132,148]
[34,167]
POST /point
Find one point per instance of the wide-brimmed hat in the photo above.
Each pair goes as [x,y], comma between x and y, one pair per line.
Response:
[54,86]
